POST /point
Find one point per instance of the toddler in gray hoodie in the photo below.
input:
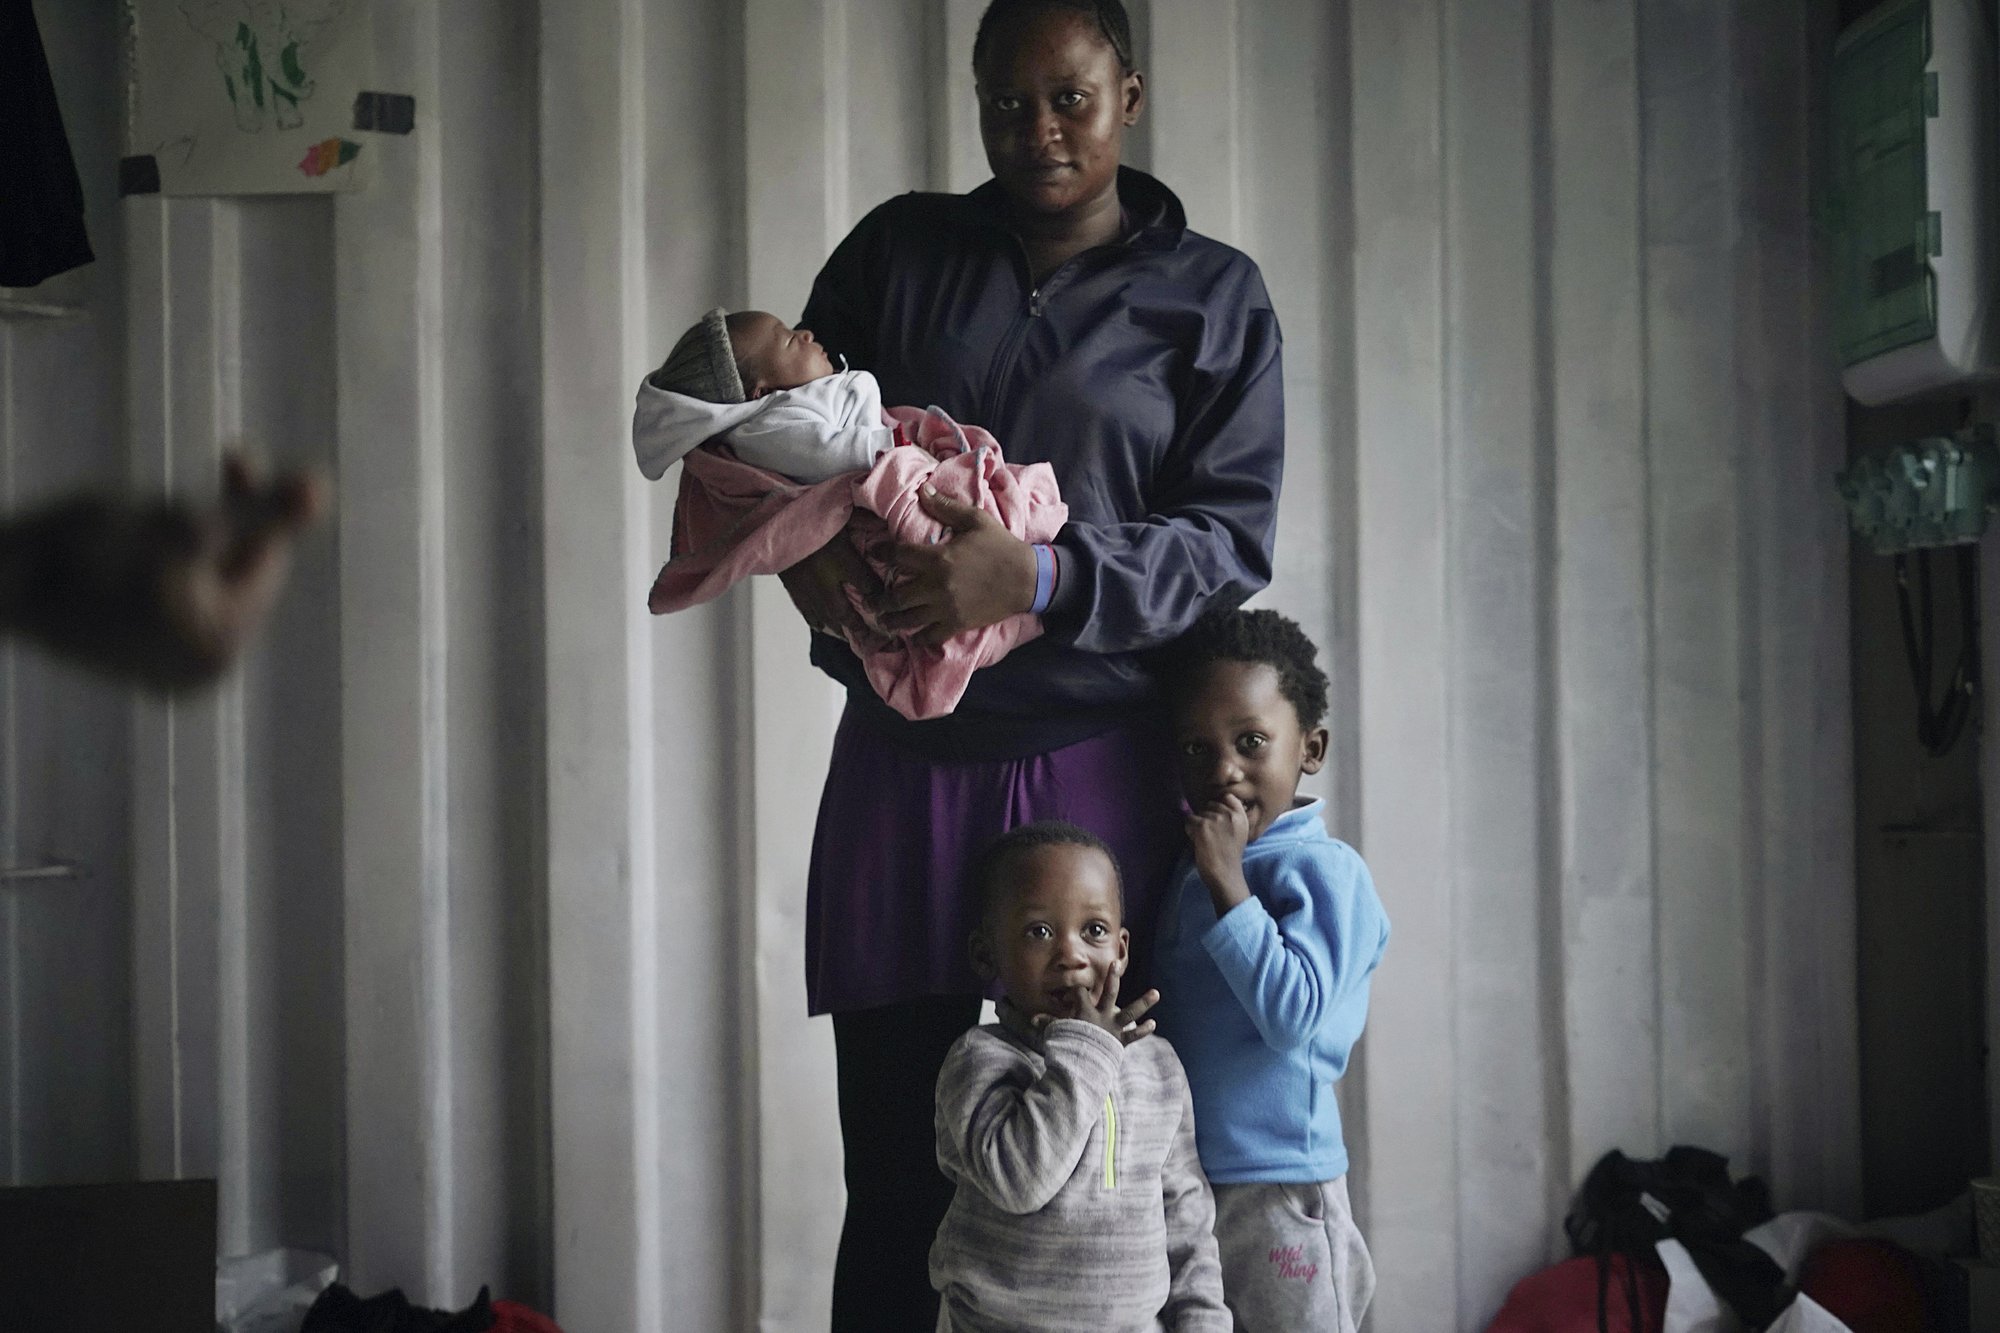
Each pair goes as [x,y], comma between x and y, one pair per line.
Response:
[1066,1126]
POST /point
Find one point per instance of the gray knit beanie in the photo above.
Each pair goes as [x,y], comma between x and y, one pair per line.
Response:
[703,364]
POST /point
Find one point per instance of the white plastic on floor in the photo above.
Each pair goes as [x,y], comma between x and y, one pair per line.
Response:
[271,1291]
[1693,1306]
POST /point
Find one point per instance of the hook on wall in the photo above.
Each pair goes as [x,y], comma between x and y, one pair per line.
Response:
[48,870]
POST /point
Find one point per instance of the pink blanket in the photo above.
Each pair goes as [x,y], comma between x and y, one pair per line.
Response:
[732,520]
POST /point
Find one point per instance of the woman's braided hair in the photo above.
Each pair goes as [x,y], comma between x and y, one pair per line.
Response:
[1109,15]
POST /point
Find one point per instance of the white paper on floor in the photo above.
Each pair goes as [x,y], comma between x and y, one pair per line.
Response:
[1693,1306]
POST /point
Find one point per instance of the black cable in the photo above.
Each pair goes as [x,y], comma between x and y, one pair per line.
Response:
[1970,663]
[1962,689]
[1940,726]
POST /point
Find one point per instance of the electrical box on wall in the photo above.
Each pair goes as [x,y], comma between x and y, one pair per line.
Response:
[1913,215]
[1935,492]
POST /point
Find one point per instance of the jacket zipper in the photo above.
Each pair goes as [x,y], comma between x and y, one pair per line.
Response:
[1038,295]
[1110,1143]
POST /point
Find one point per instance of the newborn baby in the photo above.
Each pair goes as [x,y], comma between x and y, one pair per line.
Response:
[767,391]
[811,453]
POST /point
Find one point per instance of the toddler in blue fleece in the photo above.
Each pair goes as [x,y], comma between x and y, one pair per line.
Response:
[1270,932]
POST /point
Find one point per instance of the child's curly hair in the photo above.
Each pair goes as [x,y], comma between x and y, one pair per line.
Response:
[986,875]
[1260,636]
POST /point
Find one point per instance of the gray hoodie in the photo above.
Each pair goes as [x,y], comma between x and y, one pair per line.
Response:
[1081,1204]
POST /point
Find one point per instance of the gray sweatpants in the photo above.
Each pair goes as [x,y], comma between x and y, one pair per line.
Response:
[1292,1259]
[946,1325]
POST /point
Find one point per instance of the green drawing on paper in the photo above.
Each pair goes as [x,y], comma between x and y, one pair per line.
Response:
[264,53]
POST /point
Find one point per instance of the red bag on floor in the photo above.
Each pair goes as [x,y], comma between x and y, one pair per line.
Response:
[513,1317]
[1563,1299]
[1869,1285]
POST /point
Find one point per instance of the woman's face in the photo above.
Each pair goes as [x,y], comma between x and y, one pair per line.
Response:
[1053,107]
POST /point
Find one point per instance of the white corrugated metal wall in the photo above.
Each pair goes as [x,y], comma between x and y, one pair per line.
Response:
[465,928]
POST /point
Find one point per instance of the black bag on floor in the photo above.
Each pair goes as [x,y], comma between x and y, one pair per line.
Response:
[1627,1207]
[339,1310]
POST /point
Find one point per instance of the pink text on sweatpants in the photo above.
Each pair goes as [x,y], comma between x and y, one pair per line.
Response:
[1291,1262]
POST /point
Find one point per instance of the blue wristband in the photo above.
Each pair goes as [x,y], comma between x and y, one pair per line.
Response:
[1045,578]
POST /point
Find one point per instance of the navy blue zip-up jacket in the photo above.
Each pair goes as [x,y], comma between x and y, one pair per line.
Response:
[1145,372]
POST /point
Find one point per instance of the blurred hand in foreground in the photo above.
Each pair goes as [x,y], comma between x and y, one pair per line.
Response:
[165,593]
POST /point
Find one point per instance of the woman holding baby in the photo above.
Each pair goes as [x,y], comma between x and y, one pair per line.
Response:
[1065,306]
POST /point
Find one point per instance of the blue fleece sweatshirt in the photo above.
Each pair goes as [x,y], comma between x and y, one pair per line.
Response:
[1265,1003]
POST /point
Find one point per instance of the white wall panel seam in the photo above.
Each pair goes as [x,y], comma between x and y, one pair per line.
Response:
[400,1090]
[1762,525]
[607,1200]
[642,792]
[1696,480]
[179,879]
[1496,311]
[795,210]
[1196,112]
[1828,1006]
[1835,991]
[958,161]
[435,747]
[1649,560]
[741,867]
[1833,825]
[1599,555]
[1760,545]
[155,952]
[231,977]
[1338,508]
[742,632]
[1557,1128]
[1813,951]
[1337,373]
[1451,427]
[1400,318]
[176,1037]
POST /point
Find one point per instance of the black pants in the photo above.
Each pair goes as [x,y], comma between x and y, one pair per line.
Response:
[889,1060]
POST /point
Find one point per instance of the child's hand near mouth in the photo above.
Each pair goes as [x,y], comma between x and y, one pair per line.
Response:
[1217,834]
[1100,1007]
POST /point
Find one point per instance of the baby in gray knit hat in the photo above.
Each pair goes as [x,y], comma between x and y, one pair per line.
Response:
[767,390]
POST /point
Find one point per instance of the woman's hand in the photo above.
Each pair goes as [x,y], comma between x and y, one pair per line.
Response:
[818,584]
[978,578]
[166,593]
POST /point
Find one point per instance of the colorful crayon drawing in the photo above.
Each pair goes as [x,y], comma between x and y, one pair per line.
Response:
[249,96]
[327,154]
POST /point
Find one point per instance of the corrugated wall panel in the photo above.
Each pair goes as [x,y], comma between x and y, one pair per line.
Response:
[692,245]
[1494,509]
[1408,1165]
[505,982]
[1602,656]
[1591,392]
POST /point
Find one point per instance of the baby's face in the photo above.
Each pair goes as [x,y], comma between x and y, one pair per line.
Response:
[1058,929]
[772,356]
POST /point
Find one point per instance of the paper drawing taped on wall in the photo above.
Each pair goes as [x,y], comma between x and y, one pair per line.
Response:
[263,51]
[248,96]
